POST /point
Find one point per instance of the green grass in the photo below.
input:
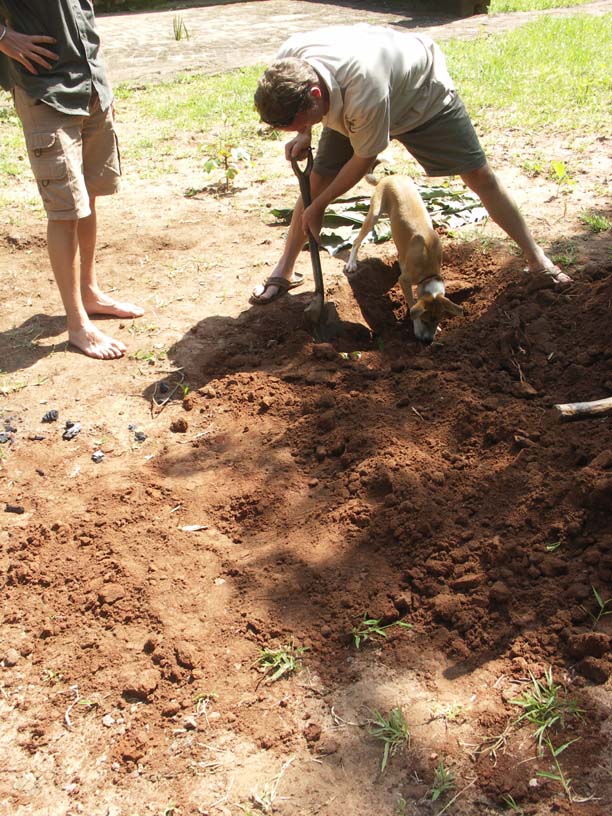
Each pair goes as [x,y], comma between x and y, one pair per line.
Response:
[392,731]
[499,6]
[545,706]
[553,74]
[186,118]
[278,663]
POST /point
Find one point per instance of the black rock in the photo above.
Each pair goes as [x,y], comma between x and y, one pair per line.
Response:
[140,436]
[14,508]
[51,416]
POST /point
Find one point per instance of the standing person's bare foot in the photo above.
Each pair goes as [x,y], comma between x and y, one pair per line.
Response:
[92,342]
[100,304]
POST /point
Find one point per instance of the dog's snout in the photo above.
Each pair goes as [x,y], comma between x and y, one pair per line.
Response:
[423,332]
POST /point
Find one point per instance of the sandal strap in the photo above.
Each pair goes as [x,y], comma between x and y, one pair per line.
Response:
[275,280]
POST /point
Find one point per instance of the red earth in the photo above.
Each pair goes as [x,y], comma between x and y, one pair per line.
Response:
[279,491]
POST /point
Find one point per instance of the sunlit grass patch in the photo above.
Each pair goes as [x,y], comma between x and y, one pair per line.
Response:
[499,6]
[553,74]
[189,114]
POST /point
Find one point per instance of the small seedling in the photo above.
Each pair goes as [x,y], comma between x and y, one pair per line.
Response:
[596,222]
[510,803]
[393,732]
[225,155]
[559,173]
[401,807]
[558,775]
[444,781]
[51,676]
[203,702]
[543,706]
[553,546]
[280,662]
[605,608]
[179,28]
[371,627]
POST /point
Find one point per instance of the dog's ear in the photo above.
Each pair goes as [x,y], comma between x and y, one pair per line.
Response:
[450,307]
[418,309]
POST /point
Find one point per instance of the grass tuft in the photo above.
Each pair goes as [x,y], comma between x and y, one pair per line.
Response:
[392,731]
[544,706]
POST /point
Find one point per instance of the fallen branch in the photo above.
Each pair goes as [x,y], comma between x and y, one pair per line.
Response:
[568,411]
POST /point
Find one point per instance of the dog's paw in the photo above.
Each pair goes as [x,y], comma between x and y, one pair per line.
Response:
[350,265]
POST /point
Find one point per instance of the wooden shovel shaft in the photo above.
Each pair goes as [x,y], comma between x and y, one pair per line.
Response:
[303,177]
[583,410]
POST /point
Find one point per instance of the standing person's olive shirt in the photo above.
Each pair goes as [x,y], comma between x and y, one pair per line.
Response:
[66,86]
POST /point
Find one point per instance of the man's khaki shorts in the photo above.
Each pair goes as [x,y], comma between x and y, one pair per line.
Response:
[73,157]
[446,145]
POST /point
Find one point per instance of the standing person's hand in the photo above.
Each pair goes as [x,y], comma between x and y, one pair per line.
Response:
[28,49]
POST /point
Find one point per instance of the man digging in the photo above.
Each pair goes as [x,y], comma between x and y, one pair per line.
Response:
[368,85]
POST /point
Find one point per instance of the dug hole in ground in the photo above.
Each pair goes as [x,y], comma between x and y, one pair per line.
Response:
[259,491]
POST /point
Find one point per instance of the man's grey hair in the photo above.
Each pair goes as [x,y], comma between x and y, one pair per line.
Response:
[284,91]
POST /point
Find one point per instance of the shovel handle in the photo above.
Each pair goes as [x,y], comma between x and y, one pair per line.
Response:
[303,176]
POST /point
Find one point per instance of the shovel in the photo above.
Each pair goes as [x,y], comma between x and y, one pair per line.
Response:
[321,318]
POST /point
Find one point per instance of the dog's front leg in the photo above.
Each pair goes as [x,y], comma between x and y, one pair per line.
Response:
[406,285]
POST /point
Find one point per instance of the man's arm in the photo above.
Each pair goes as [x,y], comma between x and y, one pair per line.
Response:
[352,172]
[26,49]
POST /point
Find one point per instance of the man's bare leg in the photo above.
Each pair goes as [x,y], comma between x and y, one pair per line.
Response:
[94,300]
[62,243]
[295,240]
[506,215]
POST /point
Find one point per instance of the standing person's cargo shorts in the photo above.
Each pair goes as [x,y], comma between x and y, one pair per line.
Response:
[73,157]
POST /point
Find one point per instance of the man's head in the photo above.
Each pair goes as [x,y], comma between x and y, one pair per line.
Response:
[288,88]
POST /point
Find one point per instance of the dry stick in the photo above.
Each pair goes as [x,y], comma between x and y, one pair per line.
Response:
[568,411]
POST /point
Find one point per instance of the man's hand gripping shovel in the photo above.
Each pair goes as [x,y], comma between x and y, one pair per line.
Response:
[321,318]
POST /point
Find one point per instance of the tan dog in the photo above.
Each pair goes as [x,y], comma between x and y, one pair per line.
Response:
[419,252]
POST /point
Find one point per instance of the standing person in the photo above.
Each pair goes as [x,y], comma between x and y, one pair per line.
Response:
[63,98]
[368,85]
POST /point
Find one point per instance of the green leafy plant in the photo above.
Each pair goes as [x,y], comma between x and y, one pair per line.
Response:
[604,608]
[225,155]
[596,222]
[558,172]
[444,781]
[179,28]
[392,731]
[372,627]
[543,706]
[278,663]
